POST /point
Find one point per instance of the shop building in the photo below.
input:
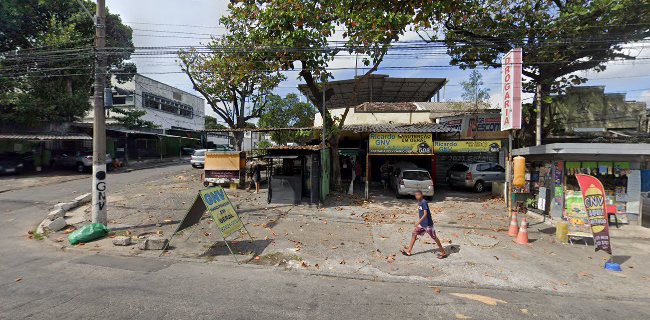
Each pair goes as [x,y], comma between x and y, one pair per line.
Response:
[552,189]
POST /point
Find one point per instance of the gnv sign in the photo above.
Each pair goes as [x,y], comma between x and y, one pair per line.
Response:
[511,66]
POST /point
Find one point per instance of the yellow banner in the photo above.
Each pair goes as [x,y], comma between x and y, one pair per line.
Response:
[400,143]
[467,146]
[222,211]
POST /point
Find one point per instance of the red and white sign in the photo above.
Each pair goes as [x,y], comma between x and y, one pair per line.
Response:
[511,66]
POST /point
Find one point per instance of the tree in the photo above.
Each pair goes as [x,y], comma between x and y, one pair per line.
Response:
[558,38]
[473,90]
[287,112]
[297,35]
[46,63]
[233,77]
[132,119]
[211,123]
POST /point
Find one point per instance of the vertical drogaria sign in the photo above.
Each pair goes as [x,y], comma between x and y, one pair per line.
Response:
[511,67]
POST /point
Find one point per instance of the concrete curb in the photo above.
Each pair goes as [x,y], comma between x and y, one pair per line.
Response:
[55,220]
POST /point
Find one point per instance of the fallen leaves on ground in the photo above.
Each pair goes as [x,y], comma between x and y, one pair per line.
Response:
[60,239]
[462,316]
[524,311]
[436,289]
[476,297]
[18,279]
[69,230]
[342,262]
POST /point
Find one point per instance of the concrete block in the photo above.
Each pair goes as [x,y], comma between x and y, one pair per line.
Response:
[65,206]
[55,214]
[83,199]
[122,241]
[55,225]
[153,243]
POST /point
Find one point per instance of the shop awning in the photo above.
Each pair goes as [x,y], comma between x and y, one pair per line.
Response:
[614,149]
[45,137]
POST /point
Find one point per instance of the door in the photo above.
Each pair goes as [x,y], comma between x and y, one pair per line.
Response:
[482,172]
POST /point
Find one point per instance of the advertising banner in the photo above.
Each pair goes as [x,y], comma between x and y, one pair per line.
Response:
[577,215]
[511,67]
[470,125]
[466,146]
[400,143]
[593,196]
[222,211]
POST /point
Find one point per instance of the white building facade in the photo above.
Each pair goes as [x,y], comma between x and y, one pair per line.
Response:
[166,106]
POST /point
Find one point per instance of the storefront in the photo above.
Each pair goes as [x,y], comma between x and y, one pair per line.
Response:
[449,152]
[551,186]
[388,149]
[294,174]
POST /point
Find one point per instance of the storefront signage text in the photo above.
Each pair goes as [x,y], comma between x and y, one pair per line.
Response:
[511,67]
[593,196]
[467,146]
[222,211]
[400,143]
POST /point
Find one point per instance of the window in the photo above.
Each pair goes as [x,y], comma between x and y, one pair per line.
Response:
[498,168]
[482,167]
[459,167]
[155,102]
[416,175]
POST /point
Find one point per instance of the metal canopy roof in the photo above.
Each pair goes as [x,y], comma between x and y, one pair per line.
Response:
[379,88]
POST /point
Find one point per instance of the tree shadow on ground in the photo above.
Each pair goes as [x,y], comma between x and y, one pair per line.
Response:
[246,247]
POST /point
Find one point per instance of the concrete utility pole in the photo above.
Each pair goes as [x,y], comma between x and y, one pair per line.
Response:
[99,188]
[538,120]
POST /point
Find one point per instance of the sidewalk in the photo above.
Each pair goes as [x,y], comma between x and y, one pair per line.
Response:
[354,238]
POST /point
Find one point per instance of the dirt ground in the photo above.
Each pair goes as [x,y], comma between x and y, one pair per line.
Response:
[352,237]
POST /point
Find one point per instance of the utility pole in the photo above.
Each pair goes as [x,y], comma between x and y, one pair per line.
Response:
[538,120]
[99,188]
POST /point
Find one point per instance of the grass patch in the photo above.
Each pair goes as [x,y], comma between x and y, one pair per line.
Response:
[39,236]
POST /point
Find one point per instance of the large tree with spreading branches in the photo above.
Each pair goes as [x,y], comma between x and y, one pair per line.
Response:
[559,38]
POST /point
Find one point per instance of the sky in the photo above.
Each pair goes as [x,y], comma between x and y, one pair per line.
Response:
[159,23]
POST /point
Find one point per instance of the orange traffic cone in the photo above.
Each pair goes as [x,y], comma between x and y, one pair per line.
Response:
[522,237]
[514,229]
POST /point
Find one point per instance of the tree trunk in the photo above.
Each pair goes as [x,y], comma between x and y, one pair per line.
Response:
[539,113]
[336,167]
[239,139]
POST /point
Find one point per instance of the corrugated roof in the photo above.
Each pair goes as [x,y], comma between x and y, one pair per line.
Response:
[399,128]
[451,107]
[311,147]
[45,137]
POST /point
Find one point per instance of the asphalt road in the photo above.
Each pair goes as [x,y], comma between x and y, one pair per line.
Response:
[38,281]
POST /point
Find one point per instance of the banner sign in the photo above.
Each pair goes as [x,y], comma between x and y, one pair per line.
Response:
[400,143]
[577,215]
[511,67]
[222,211]
[467,146]
[470,125]
[593,196]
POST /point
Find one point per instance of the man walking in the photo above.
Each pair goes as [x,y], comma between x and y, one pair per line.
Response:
[424,225]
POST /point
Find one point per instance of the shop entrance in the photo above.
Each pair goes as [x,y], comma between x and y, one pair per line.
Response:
[382,169]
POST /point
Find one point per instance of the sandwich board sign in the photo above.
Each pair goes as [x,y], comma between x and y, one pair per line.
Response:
[215,201]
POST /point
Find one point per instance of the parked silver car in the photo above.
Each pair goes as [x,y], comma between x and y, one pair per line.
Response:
[198,157]
[80,161]
[407,178]
[475,175]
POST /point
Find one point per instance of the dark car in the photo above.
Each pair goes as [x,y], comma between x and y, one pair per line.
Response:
[12,163]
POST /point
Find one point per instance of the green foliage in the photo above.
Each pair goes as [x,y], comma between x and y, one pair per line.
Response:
[288,112]
[46,63]
[558,38]
[473,90]
[211,123]
[132,118]
[234,78]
